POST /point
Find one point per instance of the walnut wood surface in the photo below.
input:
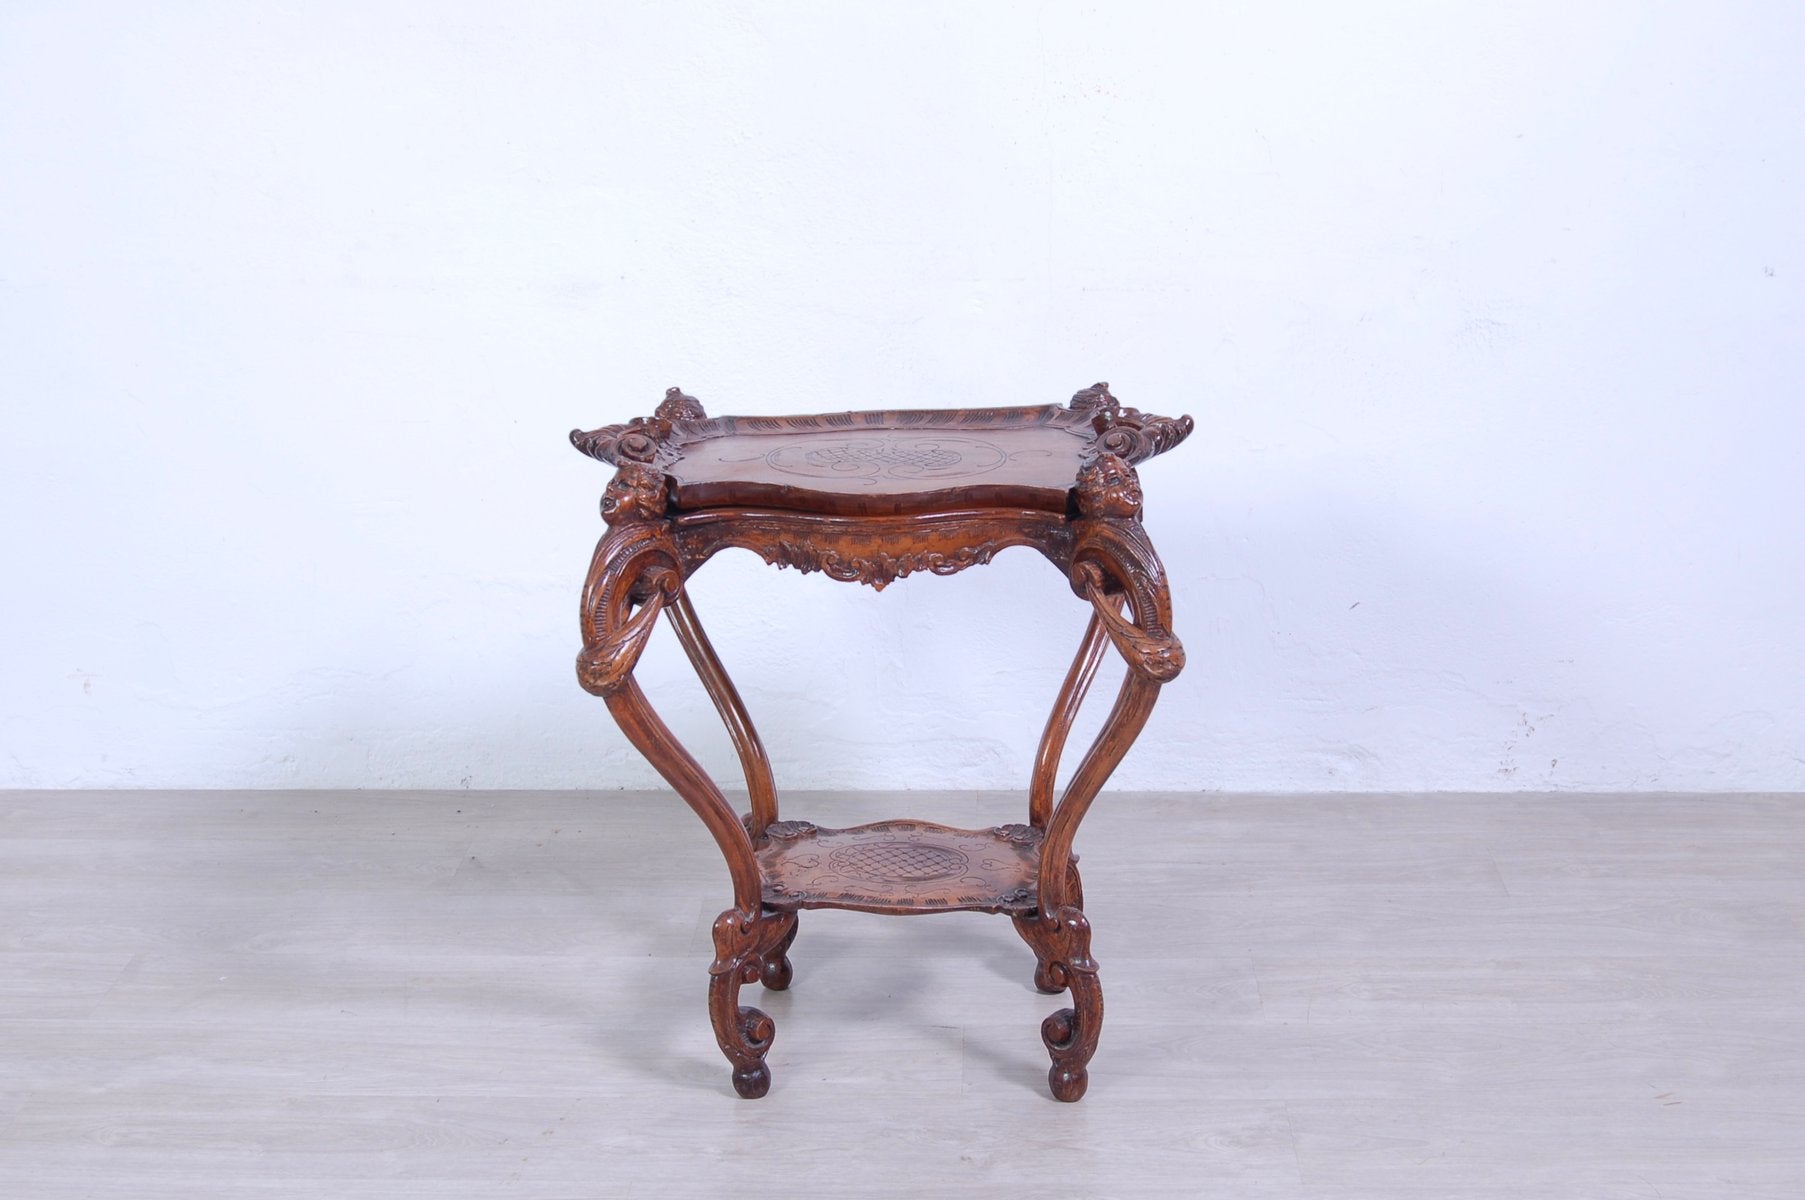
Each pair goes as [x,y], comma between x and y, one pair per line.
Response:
[871,497]
[903,464]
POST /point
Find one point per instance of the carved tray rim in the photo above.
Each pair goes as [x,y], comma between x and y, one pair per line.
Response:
[1100,425]
[990,420]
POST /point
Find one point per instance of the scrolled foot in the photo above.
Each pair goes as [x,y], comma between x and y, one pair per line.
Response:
[743,1032]
[1062,946]
[757,1028]
[751,1077]
[754,1080]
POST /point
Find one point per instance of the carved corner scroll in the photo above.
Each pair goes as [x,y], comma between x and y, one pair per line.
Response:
[1129,432]
[1113,556]
[635,564]
[642,439]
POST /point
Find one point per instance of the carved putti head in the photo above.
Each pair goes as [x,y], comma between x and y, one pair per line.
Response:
[636,491]
[678,407]
[1097,401]
[1109,487]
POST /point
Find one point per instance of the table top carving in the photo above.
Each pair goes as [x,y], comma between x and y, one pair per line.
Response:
[886,455]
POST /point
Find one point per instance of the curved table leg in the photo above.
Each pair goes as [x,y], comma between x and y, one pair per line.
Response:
[637,574]
[1046,768]
[1112,563]
[753,760]
[1059,723]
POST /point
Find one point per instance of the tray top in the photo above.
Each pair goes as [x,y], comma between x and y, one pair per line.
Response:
[882,462]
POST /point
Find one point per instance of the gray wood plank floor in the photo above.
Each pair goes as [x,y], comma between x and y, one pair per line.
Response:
[387,994]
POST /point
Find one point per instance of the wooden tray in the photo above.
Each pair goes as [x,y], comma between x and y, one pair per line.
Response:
[883,462]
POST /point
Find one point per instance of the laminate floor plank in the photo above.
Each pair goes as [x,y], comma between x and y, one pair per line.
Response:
[1546,1147]
[412,994]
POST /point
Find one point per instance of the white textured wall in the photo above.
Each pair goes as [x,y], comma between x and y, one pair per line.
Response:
[1490,317]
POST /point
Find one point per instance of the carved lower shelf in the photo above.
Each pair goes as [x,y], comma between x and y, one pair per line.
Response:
[900,867]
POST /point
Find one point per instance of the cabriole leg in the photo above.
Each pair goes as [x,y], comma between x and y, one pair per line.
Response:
[636,575]
[755,763]
[1113,565]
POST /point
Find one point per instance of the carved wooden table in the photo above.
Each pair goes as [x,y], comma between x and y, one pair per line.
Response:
[872,497]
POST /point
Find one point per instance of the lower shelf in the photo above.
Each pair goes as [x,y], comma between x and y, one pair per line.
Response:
[901,867]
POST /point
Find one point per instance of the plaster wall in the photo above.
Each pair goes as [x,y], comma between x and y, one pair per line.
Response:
[1489,316]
